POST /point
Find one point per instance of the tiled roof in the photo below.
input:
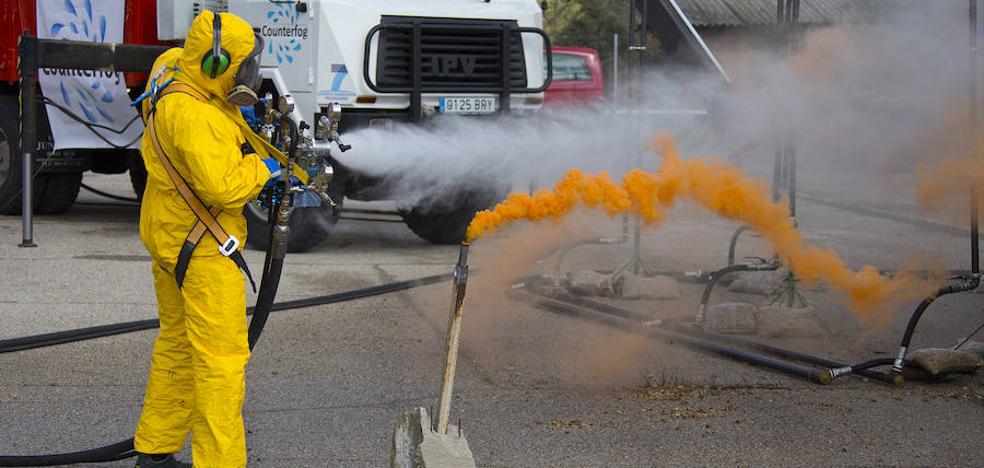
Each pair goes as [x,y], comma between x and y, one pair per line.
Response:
[704,13]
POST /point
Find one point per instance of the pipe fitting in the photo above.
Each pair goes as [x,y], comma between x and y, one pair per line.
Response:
[841,371]
[900,360]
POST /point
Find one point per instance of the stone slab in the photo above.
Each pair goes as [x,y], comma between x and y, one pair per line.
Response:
[779,321]
[590,283]
[733,318]
[638,287]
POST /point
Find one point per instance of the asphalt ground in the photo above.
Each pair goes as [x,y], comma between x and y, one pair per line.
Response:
[327,384]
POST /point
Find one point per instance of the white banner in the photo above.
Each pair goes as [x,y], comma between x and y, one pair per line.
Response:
[96,96]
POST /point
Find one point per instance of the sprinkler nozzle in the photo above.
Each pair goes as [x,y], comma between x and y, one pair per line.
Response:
[461,268]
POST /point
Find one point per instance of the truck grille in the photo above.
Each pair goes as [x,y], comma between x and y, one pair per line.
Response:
[455,54]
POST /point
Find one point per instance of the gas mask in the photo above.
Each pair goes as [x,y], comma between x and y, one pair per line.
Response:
[247,81]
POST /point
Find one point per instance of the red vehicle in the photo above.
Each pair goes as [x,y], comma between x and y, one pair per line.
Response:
[58,180]
[577,78]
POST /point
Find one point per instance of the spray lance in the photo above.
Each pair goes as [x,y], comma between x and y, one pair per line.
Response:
[304,151]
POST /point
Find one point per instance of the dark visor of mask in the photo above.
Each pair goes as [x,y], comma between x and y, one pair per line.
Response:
[249,71]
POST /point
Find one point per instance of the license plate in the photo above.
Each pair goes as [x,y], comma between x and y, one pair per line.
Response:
[469,105]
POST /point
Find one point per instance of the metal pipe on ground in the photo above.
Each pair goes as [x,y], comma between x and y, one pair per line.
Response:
[623,323]
[635,321]
[863,371]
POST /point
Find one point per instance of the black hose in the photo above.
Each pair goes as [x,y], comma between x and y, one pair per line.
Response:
[93,126]
[264,300]
[872,364]
[109,195]
[733,243]
[88,333]
[279,237]
[713,278]
[965,284]
[118,451]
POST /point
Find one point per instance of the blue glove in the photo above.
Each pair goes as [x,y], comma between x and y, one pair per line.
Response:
[249,115]
[274,167]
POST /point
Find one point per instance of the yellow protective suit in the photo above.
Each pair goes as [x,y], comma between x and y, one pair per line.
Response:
[197,378]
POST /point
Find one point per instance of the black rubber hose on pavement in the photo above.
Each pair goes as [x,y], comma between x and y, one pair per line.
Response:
[118,451]
[88,333]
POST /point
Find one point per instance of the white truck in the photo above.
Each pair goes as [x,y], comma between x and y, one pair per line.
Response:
[389,62]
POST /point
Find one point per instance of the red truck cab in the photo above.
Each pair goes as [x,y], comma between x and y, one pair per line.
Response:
[577,78]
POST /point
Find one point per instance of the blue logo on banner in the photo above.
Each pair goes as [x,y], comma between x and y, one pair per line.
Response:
[84,95]
[284,34]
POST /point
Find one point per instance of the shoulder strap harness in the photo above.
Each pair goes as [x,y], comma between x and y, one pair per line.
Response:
[228,244]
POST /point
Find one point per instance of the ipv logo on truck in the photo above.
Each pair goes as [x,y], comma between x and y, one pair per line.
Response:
[448,65]
[284,34]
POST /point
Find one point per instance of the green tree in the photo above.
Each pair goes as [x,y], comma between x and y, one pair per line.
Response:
[588,23]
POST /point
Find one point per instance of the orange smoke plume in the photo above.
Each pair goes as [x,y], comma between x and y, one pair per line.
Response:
[719,187]
[950,180]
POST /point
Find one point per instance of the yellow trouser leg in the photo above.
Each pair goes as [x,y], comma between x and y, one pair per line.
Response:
[215,318]
[166,417]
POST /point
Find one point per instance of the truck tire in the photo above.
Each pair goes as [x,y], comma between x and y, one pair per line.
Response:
[446,225]
[10,158]
[308,226]
[138,175]
[57,192]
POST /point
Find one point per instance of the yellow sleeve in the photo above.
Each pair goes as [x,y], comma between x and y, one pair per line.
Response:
[208,145]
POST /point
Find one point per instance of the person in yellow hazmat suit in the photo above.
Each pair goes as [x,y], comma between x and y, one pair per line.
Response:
[193,139]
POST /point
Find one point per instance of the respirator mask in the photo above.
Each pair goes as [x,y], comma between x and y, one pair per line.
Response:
[246,83]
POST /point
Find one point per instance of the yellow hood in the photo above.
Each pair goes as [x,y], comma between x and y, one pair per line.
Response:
[237,40]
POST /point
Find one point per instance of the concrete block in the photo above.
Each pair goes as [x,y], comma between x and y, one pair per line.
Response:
[632,286]
[763,283]
[939,362]
[590,283]
[415,445]
[735,318]
[779,321]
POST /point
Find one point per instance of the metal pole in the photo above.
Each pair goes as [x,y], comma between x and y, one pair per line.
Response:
[975,138]
[453,339]
[29,136]
[615,71]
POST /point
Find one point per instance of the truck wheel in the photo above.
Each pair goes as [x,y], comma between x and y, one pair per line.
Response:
[57,192]
[439,224]
[308,226]
[138,175]
[10,160]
